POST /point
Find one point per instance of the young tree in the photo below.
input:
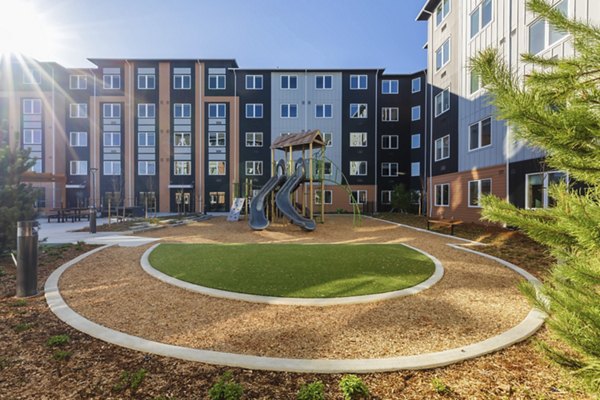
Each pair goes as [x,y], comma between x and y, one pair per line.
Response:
[557,108]
[401,199]
[16,198]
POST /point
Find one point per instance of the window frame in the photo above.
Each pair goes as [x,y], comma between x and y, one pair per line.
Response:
[364,139]
[547,30]
[215,81]
[179,110]
[390,167]
[147,163]
[289,107]
[217,107]
[412,113]
[324,108]
[412,85]
[111,142]
[146,135]
[435,195]
[389,112]
[219,137]
[146,107]
[78,135]
[180,166]
[480,134]
[182,79]
[443,95]
[255,109]
[217,169]
[253,164]
[358,81]
[390,88]
[412,141]
[447,52]
[182,135]
[78,107]
[253,135]
[115,110]
[318,198]
[30,133]
[324,83]
[78,80]
[480,26]
[254,79]
[113,79]
[365,163]
[30,106]
[112,163]
[442,146]
[388,194]
[146,78]
[443,13]
[358,197]
[479,184]
[358,114]
[545,185]
[412,168]
[390,139]
[78,171]
[328,142]
[289,79]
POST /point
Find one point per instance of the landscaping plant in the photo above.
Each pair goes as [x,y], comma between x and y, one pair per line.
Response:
[312,391]
[226,388]
[556,108]
[353,388]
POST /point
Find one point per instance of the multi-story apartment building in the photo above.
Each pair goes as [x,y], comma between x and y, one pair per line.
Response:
[472,152]
[187,134]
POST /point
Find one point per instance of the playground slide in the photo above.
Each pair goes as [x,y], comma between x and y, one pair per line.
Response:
[258,219]
[282,198]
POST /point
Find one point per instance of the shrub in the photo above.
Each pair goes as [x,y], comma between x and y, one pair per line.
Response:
[312,391]
[58,340]
[61,355]
[131,380]
[440,387]
[353,388]
[226,388]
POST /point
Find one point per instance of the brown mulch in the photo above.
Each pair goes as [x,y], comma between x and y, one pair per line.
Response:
[28,369]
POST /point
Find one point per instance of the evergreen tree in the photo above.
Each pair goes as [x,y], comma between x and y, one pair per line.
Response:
[401,199]
[16,198]
[557,108]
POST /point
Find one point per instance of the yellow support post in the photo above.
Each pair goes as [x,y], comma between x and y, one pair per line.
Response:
[310,168]
[273,172]
[304,185]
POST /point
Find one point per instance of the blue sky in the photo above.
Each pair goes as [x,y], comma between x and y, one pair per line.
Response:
[258,33]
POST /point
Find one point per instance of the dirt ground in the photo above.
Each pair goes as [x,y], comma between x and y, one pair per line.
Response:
[31,369]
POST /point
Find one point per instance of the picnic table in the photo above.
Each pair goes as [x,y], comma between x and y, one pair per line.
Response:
[64,214]
[445,222]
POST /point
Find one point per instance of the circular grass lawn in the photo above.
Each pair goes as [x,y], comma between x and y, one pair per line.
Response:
[295,270]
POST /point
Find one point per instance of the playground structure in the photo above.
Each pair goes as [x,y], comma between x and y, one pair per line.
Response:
[286,178]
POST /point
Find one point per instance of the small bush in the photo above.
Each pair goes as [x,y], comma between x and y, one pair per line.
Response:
[440,387]
[353,388]
[58,340]
[131,380]
[19,303]
[312,391]
[22,327]
[226,388]
[61,355]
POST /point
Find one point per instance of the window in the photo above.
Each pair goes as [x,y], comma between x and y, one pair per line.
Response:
[112,139]
[216,139]
[328,199]
[358,197]
[254,168]
[254,110]
[326,168]
[358,139]
[254,82]
[216,167]
[78,110]
[112,168]
[389,142]
[415,113]
[32,106]
[78,167]
[289,111]
[442,148]
[216,82]
[38,166]
[146,81]
[386,197]
[474,82]
[389,169]
[111,110]
[415,85]
[358,110]
[328,138]
[358,168]
[442,11]
[146,110]
[217,111]
[78,82]
[323,82]
[31,76]
[415,169]
[182,139]
[442,102]
[481,17]
[478,189]
[32,136]
[111,81]
[442,55]
[442,195]
[415,141]
[182,110]
[389,86]
[537,195]
[358,82]
[323,111]
[146,168]
[254,139]
[146,139]
[182,81]
[389,114]
[289,82]
[78,139]
[183,168]
[480,134]
[543,35]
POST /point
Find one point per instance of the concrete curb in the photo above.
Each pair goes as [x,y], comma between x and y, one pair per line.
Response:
[522,331]
[438,273]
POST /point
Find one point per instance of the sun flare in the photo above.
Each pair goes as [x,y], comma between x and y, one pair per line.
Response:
[27,30]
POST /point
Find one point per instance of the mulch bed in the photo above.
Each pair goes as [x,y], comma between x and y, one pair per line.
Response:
[28,369]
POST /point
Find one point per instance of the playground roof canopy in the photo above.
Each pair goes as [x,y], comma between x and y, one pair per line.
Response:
[299,141]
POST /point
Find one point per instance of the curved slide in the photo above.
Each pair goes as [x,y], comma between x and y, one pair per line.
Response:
[282,198]
[258,219]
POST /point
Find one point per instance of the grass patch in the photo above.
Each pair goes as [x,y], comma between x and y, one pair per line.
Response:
[295,270]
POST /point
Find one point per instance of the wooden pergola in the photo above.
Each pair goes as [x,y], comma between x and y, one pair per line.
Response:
[301,141]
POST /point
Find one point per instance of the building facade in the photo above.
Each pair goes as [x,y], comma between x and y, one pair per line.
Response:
[473,152]
[189,135]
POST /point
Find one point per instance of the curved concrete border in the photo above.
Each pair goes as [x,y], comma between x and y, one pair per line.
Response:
[438,273]
[522,331]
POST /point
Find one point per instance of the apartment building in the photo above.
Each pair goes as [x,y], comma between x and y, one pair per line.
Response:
[472,152]
[187,135]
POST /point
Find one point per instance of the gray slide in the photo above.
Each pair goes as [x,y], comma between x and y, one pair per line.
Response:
[258,219]
[282,199]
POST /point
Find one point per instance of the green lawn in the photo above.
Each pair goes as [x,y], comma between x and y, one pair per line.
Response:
[295,270]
